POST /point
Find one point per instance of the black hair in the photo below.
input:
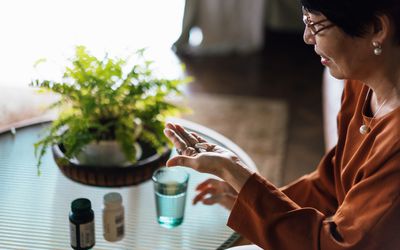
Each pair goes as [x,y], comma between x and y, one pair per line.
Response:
[355,16]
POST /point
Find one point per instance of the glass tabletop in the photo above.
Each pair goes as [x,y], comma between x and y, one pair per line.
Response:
[34,209]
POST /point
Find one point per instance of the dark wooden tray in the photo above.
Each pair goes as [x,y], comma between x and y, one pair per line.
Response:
[112,176]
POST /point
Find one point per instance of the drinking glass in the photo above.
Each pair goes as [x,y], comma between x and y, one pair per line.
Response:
[170,185]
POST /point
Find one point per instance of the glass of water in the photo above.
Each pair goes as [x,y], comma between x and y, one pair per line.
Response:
[170,185]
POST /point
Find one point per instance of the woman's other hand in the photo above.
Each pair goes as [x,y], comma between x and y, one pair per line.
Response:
[214,191]
[195,152]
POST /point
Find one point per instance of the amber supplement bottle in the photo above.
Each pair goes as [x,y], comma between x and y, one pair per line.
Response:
[81,224]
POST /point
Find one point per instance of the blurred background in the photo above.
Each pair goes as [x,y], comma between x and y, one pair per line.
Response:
[242,48]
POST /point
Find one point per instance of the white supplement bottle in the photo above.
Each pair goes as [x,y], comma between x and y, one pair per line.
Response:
[113,217]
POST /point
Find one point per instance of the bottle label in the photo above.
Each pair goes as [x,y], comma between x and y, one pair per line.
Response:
[72,234]
[113,222]
[86,233]
[119,222]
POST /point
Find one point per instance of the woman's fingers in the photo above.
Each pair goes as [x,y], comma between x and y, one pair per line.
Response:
[188,137]
[213,191]
[182,133]
[198,137]
[189,151]
[206,183]
[183,160]
[213,199]
[177,140]
[211,196]
[170,126]
[181,137]
[205,147]
[200,196]
[177,132]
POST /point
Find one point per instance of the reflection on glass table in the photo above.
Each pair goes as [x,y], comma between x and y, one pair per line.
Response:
[34,209]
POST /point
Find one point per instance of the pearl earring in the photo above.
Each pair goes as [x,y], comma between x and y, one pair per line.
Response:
[377,48]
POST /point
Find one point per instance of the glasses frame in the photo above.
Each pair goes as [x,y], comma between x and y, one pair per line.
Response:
[311,25]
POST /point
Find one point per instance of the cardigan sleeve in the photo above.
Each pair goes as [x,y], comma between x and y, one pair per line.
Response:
[317,189]
[367,219]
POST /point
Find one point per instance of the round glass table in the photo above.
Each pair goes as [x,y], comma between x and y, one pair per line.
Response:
[34,209]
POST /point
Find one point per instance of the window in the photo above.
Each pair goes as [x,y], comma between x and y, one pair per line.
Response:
[34,29]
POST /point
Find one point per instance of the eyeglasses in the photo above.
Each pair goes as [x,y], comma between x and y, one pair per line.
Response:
[313,25]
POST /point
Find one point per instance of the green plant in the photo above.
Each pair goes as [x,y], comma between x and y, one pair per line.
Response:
[108,99]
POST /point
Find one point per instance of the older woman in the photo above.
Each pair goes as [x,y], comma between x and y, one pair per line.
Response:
[352,200]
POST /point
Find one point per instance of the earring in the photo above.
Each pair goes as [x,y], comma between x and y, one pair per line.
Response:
[377,48]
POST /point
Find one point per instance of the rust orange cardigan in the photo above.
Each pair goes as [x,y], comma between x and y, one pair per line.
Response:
[350,202]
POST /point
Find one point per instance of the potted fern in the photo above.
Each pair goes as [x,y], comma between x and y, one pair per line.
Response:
[109,108]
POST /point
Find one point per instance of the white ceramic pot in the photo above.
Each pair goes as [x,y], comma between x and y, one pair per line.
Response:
[105,154]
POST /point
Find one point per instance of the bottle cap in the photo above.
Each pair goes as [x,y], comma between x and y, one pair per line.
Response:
[81,205]
[112,198]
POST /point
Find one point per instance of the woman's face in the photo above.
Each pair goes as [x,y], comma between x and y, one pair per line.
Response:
[346,57]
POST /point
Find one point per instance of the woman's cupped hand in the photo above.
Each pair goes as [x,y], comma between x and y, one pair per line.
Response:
[197,153]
